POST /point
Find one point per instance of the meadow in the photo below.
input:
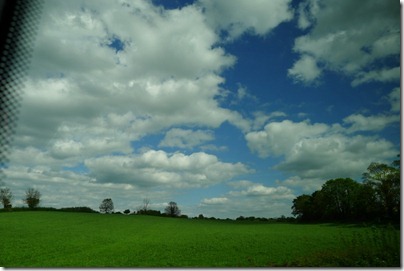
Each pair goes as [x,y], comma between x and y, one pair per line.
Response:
[59,239]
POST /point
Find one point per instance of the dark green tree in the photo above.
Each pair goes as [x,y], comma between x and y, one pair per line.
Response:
[340,198]
[302,207]
[367,208]
[385,180]
[107,206]
[32,198]
[172,209]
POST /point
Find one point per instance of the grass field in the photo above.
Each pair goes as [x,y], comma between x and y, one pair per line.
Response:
[57,239]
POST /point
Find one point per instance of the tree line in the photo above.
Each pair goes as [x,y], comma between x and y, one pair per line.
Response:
[172,209]
[33,197]
[376,199]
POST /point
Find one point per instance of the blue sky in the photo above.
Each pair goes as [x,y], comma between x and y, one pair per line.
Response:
[228,108]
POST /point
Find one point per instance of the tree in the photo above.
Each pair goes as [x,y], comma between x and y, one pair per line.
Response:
[341,195]
[5,197]
[107,206]
[32,198]
[172,209]
[310,207]
[302,207]
[126,212]
[146,202]
[385,180]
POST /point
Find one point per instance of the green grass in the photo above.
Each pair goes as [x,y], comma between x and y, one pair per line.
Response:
[57,239]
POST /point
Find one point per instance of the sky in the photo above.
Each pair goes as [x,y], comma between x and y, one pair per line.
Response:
[228,108]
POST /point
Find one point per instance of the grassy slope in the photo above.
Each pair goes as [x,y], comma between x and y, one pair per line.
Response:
[56,239]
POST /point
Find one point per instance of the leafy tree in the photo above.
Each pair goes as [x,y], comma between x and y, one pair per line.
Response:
[367,207]
[310,207]
[318,206]
[107,206]
[32,198]
[378,197]
[302,206]
[341,195]
[127,211]
[5,197]
[385,180]
[172,209]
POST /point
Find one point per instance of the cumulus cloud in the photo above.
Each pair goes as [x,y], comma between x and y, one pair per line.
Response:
[345,40]
[158,168]
[75,107]
[280,192]
[335,156]
[214,201]
[183,138]
[277,137]
[305,70]
[382,75]
[305,11]
[260,118]
[141,27]
[358,122]
[237,16]
[323,151]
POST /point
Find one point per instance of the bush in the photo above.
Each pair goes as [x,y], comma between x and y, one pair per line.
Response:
[78,209]
[149,212]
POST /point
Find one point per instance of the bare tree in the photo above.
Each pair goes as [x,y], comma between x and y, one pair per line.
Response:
[5,197]
[172,209]
[107,206]
[32,197]
[146,203]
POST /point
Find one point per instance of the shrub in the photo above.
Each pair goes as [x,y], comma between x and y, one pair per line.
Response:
[78,209]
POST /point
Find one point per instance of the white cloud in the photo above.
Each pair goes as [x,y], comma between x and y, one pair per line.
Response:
[305,13]
[280,192]
[359,122]
[88,27]
[260,118]
[277,137]
[307,185]
[214,201]
[395,99]
[322,151]
[347,41]
[75,107]
[383,75]
[183,138]
[237,16]
[305,70]
[334,156]
[158,168]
